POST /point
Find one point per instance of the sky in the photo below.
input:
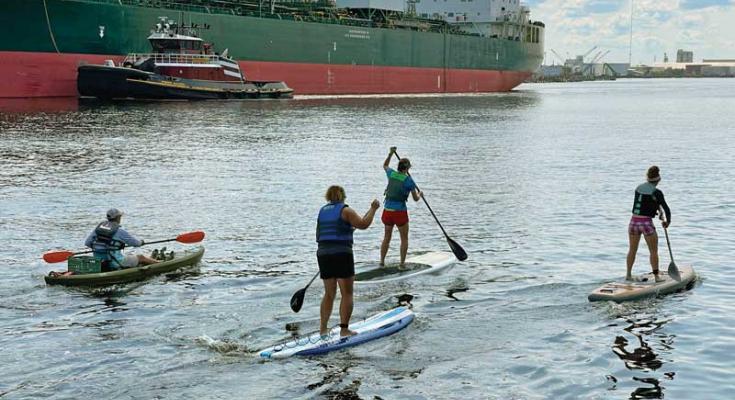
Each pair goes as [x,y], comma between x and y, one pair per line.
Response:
[706,27]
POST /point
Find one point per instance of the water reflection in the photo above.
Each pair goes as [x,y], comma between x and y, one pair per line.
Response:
[333,377]
[13,108]
[640,355]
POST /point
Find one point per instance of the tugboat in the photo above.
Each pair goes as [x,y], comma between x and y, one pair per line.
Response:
[180,67]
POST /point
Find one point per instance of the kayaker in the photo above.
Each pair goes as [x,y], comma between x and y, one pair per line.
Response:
[647,202]
[109,238]
[334,228]
[395,212]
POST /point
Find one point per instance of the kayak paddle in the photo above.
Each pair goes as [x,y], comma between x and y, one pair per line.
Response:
[456,248]
[297,300]
[63,255]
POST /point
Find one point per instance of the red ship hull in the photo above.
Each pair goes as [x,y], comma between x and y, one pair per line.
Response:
[54,75]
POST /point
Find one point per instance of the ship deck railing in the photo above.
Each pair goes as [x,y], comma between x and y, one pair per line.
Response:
[175,58]
[255,8]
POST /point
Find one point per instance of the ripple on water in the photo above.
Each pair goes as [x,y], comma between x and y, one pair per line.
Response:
[546,175]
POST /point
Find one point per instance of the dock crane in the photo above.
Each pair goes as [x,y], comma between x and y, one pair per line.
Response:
[588,68]
[599,57]
[589,51]
[561,59]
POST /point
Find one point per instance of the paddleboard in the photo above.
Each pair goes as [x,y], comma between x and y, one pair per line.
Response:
[377,326]
[643,286]
[429,263]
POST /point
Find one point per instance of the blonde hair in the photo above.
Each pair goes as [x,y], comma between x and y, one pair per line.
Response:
[335,194]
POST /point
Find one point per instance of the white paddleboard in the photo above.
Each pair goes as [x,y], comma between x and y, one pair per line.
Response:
[379,325]
[429,263]
[643,286]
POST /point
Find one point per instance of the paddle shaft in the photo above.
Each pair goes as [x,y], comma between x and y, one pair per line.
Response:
[59,256]
[144,243]
[311,281]
[668,244]
[666,233]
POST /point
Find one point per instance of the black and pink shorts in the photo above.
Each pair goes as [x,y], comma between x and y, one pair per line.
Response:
[641,225]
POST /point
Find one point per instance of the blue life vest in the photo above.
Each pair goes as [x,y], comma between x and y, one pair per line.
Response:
[330,227]
[104,243]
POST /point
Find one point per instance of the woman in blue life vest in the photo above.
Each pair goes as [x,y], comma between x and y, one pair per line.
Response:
[395,212]
[647,202]
[108,239]
[334,228]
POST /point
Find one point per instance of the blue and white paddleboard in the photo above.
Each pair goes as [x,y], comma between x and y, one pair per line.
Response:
[429,263]
[377,326]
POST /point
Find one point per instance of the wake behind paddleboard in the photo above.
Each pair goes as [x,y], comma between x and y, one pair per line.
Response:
[643,286]
[382,324]
[428,263]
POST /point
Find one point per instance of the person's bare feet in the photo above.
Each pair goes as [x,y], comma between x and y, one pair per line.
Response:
[344,332]
[628,277]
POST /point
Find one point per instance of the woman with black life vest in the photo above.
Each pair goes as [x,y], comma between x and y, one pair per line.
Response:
[108,239]
[647,202]
[334,228]
[395,212]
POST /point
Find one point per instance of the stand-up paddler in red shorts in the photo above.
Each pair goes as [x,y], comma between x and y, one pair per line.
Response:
[395,212]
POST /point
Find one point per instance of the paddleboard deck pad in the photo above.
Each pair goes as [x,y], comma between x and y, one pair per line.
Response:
[643,286]
[377,326]
[428,263]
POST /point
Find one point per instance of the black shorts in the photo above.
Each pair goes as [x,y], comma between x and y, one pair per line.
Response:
[340,265]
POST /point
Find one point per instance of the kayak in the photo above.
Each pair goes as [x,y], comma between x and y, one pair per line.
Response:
[180,259]
[643,286]
[382,324]
[429,263]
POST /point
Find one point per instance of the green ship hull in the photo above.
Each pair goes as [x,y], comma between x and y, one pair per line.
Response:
[52,37]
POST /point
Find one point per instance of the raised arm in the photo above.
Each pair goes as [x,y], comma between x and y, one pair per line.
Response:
[386,163]
[351,216]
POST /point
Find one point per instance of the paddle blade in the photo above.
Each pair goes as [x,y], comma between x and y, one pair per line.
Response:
[674,271]
[297,300]
[57,256]
[190,237]
[457,250]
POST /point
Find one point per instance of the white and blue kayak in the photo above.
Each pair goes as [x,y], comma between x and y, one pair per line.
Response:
[429,263]
[377,326]
[643,286]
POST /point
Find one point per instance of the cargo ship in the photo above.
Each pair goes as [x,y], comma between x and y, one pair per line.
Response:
[316,46]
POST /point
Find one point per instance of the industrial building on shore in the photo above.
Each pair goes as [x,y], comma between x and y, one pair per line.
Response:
[577,69]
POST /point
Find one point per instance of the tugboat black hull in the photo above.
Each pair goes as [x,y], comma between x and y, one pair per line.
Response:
[108,83]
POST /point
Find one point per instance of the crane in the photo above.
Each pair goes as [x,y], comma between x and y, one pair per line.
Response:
[589,51]
[561,59]
[599,57]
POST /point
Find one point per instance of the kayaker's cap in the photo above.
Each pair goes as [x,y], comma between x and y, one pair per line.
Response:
[113,213]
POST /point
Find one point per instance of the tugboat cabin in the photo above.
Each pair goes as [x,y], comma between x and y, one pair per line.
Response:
[163,42]
[186,56]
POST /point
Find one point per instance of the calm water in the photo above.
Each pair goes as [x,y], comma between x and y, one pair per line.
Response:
[535,184]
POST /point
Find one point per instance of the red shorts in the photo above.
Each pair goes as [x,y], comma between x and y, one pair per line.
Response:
[398,218]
